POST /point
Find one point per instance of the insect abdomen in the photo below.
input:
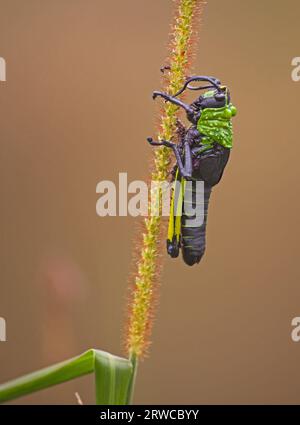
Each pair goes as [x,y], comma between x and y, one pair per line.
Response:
[193,238]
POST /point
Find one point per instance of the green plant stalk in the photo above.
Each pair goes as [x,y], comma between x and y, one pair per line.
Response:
[113,376]
[134,362]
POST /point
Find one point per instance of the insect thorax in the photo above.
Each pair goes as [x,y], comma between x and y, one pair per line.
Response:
[215,125]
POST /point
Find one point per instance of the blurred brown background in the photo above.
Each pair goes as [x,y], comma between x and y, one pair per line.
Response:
[76,109]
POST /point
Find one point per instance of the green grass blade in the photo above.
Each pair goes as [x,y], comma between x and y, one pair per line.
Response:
[112,378]
[112,375]
[44,378]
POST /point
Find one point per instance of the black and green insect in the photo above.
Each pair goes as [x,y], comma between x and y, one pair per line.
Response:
[201,155]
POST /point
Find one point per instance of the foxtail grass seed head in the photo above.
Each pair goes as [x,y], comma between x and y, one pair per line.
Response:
[144,285]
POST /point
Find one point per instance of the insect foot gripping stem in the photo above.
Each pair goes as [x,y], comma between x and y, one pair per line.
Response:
[173,248]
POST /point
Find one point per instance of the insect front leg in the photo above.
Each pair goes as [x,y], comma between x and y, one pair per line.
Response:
[165,143]
[188,163]
[185,169]
[174,100]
